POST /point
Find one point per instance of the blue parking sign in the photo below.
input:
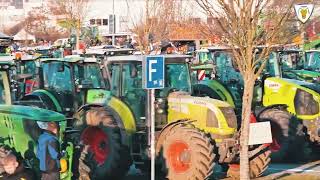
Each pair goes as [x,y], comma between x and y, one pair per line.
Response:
[153,75]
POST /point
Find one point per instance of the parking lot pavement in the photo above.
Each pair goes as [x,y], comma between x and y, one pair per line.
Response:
[306,171]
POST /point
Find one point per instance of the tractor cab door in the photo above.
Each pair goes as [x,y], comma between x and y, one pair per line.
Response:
[132,92]
[126,84]
[57,79]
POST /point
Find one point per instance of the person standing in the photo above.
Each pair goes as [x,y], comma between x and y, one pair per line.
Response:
[48,151]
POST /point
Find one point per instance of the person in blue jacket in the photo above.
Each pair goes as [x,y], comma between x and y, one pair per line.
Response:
[48,151]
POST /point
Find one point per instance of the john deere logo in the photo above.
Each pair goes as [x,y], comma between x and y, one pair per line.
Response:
[303,11]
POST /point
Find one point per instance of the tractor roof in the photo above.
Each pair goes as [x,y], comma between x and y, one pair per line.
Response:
[171,58]
[6,60]
[108,51]
[313,50]
[70,59]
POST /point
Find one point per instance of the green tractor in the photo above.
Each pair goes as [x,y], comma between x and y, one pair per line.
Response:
[291,105]
[19,131]
[292,64]
[193,134]
[74,86]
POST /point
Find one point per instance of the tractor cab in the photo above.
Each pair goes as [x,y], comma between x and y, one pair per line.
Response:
[125,77]
[73,80]
[27,67]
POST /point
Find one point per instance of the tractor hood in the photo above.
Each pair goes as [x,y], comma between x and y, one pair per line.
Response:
[312,86]
[185,97]
[31,113]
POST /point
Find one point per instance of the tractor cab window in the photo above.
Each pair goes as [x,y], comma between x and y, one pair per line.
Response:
[290,60]
[4,88]
[115,79]
[2,92]
[29,68]
[204,57]
[272,66]
[132,91]
[312,61]
[91,74]
[177,77]
[57,76]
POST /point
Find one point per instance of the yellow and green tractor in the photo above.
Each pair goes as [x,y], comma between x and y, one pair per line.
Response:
[292,106]
[193,134]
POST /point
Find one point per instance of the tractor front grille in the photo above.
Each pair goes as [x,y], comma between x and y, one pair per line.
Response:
[230,116]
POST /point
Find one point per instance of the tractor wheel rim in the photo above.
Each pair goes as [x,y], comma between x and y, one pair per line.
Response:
[98,143]
[179,157]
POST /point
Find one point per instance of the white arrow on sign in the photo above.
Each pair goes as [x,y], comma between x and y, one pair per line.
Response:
[151,70]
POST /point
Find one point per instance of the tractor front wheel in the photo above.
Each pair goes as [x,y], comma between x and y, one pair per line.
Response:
[187,153]
[106,157]
[288,137]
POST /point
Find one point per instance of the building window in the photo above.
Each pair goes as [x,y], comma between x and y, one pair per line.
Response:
[92,21]
[98,22]
[105,22]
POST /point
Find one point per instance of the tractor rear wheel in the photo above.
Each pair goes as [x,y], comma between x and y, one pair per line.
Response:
[107,157]
[289,142]
[187,153]
[258,165]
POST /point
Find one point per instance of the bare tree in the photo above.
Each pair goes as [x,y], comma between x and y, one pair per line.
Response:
[242,24]
[72,12]
[161,20]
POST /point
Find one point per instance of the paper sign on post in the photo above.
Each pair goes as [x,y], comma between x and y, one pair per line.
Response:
[260,133]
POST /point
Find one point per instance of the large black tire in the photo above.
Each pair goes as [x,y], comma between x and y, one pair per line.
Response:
[107,156]
[258,165]
[187,153]
[287,131]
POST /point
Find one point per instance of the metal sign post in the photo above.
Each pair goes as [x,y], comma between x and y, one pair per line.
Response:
[153,78]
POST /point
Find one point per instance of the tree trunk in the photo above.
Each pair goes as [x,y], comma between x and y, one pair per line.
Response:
[244,137]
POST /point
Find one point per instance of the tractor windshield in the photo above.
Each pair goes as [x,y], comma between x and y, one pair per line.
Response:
[312,61]
[291,60]
[29,67]
[91,73]
[177,77]
[57,76]
[204,57]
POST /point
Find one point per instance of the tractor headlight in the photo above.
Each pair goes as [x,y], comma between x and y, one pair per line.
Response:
[305,104]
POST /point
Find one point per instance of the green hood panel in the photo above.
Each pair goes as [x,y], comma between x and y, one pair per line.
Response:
[31,113]
[98,96]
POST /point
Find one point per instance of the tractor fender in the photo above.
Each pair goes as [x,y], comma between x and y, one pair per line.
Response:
[124,117]
[261,110]
[175,123]
[217,89]
[44,97]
